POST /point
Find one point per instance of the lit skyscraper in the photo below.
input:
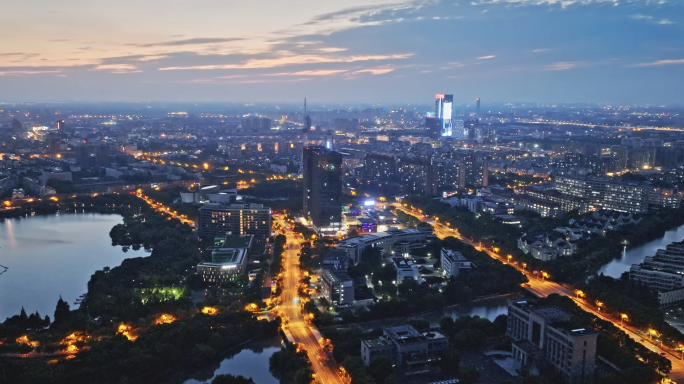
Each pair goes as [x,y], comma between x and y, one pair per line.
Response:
[322,171]
[443,110]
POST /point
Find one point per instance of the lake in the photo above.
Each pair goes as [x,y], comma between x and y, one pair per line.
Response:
[55,255]
[251,363]
[636,255]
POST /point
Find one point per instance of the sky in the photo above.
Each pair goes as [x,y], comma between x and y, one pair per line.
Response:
[352,51]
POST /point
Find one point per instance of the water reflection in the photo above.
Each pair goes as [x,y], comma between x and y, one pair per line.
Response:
[636,255]
[250,363]
[49,256]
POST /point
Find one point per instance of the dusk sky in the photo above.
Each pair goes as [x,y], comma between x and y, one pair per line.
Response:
[629,51]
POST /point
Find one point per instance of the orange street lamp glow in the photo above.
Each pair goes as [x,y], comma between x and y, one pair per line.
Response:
[622,318]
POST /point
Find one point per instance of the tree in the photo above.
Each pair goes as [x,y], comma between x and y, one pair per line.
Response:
[230,379]
[450,361]
[62,312]
[469,375]
[303,376]
[380,368]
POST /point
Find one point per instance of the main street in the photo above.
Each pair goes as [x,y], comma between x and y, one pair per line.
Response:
[290,310]
[542,287]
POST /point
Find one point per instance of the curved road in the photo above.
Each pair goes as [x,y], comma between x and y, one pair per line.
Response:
[543,288]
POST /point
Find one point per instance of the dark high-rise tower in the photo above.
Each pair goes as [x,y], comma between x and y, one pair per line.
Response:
[307,119]
[478,105]
[443,110]
[322,171]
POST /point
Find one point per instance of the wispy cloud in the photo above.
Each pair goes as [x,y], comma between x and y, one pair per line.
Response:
[195,41]
[319,72]
[375,71]
[117,68]
[486,57]
[27,72]
[560,66]
[639,16]
[291,60]
[659,63]
[152,57]
[666,22]
[540,50]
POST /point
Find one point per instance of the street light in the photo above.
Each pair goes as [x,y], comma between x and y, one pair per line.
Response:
[599,304]
[524,265]
[579,293]
[509,258]
[622,318]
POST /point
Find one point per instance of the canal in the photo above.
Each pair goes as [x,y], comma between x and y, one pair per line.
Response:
[636,255]
[54,255]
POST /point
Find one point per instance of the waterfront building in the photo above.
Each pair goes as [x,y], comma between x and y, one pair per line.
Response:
[663,273]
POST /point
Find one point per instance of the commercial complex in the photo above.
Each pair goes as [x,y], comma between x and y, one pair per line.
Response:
[217,219]
[409,350]
[322,171]
[544,336]
[412,238]
[229,256]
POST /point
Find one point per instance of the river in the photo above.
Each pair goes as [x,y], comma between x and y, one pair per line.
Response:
[54,255]
[636,255]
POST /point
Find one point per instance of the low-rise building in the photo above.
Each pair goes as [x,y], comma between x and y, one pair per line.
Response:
[664,273]
[405,347]
[337,287]
[354,246]
[406,269]
[545,336]
[453,262]
[229,256]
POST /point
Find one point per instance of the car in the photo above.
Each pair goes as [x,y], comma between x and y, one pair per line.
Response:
[643,340]
[663,354]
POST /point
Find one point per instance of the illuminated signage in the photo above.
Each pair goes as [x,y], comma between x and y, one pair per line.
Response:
[369,203]
[439,96]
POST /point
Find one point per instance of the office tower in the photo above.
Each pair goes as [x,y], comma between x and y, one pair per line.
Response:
[544,336]
[322,171]
[459,131]
[470,127]
[53,142]
[433,125]
[443,111]
[218,219]
[102,156]
[256,124]
[478,106]
[329,141]
[60,125]
[473,169]
[307,120]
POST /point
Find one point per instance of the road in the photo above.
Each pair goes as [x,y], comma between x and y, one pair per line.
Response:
[291,311]
[159,207]
[542,288]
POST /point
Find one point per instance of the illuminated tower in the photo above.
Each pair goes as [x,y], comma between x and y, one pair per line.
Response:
[443,110]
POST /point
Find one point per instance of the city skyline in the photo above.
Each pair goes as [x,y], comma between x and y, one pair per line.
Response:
[500,50]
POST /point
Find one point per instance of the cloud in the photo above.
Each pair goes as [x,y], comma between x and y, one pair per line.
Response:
[27,72]
[152,57]
[195,41]
[666,22]
[658,63]
[291,60]
[318,72]
[539,50]
[486,57]
[117,68]
[375,71]
[639,16]
[560,66]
